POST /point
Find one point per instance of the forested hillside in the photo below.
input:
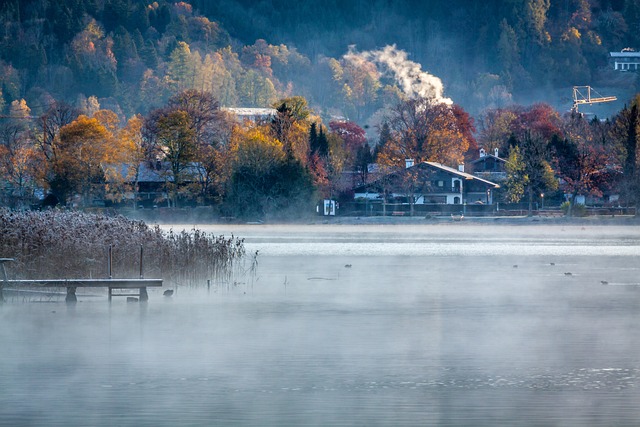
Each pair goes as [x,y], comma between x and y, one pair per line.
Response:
[119,101]
[130,56]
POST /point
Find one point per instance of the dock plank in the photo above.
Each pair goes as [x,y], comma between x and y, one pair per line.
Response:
[89,283]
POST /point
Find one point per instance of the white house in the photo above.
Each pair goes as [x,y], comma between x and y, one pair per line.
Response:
[626,60]
[429,183]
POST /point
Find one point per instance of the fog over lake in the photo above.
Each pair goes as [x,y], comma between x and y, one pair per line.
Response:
[450,325]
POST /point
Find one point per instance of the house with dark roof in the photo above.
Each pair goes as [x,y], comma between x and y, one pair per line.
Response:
[429,183]
[150,183]
[489,166]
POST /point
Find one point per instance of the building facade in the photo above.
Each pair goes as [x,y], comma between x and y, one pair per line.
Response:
[626,60]
[429,183]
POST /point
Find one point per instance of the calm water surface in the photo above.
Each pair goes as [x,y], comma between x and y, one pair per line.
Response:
[451,325]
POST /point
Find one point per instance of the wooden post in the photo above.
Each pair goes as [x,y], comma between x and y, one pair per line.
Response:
[4,279]
[141,269]
[143,294]
[109,271]
[71,295]
[109,261]
[143,291]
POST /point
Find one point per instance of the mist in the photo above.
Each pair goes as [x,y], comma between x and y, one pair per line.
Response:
[378,325]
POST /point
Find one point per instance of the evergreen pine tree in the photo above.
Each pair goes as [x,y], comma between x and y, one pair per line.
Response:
[323,144]
[313,138]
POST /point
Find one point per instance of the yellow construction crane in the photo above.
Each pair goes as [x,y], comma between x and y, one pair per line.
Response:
[582,96]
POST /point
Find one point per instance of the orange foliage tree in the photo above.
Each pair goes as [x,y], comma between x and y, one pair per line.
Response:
[83,149]
[423,130]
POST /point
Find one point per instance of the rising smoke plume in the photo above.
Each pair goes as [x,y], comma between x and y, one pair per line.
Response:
[409,75]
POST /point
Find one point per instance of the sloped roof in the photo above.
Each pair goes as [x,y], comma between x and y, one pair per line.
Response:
[459,173]
[447,169]
[488,155]
[148,173]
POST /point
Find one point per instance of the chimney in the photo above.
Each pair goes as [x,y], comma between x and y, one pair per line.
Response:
[482,152]
[496,152]
[408,163]
[461,167]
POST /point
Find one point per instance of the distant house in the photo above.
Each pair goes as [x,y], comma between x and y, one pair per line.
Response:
[152,179]
[253,114]
[429,183]
[489,166]
[626,60]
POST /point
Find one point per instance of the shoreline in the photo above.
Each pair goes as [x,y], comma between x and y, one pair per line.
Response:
[627,220]
[196,217]
[498,221]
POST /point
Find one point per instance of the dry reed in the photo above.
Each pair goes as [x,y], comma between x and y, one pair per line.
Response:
[68,244]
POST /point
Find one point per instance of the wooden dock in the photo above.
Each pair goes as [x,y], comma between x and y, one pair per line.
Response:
[71,285]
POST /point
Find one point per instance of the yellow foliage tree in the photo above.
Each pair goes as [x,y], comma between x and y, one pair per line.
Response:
[83,149]
[255,149]
[121,179]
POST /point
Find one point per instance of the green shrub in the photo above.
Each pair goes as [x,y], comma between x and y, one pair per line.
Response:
[578,209]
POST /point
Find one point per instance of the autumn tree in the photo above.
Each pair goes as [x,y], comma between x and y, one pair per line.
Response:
[319,158]
[122,179]
[583,161]
[58,115]
[21,171]
[82,148]
[190,133]
[625,131]
[466,125]
[175,139]
[357,154]
[203,110]
[291,127]
[498,125]
[354,138]
[535,171]
[423,130]
[357,81]
[265,180]
[517,180]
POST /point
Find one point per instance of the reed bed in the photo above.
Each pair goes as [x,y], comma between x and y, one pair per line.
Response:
[70,245]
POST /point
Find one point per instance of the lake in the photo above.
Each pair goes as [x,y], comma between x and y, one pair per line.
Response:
[443,324]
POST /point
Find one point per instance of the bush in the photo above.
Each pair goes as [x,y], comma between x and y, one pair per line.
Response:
[65,245]
[578,209]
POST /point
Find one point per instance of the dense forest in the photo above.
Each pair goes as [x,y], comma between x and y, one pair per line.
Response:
[248,53]
[94,94]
